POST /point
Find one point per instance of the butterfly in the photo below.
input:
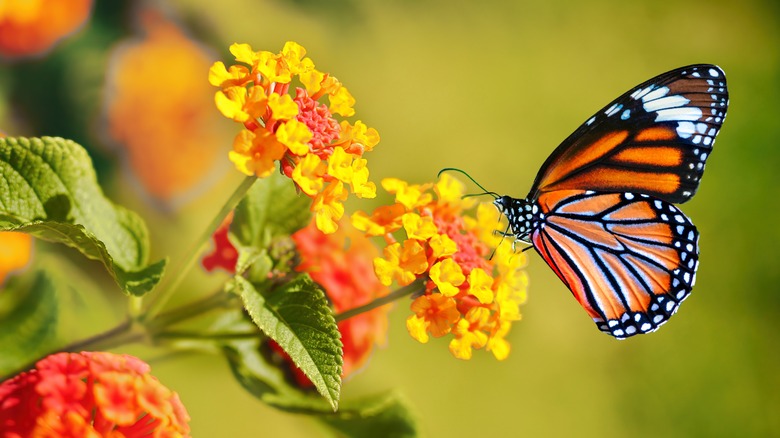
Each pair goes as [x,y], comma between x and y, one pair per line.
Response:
[600,210]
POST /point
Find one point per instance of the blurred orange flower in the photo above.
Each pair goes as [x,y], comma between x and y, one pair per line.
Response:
[90,395]
[467,294]
[15,252]
[31,27]
[322,155]
[159,111]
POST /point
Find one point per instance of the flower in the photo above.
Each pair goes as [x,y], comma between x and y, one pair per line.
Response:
[321,154]
[15,252]
[31,27]
[91,395]
[341,263]
[448,243]
[159,111]
[224,255]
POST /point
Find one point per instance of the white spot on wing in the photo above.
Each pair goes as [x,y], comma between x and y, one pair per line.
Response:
[674,114]
[666,102]
[655,94]
[686,129]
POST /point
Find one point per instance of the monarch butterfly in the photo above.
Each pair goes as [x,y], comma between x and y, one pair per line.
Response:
[600,210]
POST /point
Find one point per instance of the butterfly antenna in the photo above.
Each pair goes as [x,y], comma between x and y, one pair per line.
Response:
[487,192]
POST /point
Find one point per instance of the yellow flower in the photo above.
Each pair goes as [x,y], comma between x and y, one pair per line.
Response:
[410,196]
[419,227]
[483,286]
[244,53]
[480,284]
[385,219]
[496,344]
[401,263]
[282,107]
[469,333]
[418,328]
[341,102]
[328,207]
[15,252]
[295,135]
[308,174]
[438,312]
[448,276]
[260,93]
[442,245]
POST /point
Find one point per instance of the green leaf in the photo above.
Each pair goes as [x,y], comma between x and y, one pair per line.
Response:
[48,189]
[28,321]
[271,208]
[383,415]
[297,316]
[386,415]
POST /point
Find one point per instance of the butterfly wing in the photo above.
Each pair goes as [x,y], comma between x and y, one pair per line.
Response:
[629,259]
[654,139]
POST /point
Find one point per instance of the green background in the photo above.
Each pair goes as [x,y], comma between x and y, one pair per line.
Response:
[492,87]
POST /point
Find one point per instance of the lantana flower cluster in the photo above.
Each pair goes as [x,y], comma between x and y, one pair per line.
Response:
[324,156]
[468,294]
[90,395]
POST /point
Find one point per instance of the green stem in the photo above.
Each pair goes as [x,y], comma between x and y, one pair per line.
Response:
[192,256]
[417,286]
[184,334]
[216,300]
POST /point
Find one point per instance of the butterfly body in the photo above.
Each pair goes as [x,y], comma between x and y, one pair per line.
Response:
[600,210]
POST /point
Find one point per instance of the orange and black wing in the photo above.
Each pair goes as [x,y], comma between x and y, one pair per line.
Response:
[654,139]
[628,258]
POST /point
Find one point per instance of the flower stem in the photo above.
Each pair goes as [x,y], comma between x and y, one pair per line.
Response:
[191,257]
[417,286]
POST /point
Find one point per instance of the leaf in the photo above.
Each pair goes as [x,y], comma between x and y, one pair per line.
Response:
[48,189]
[297,316]
[271,208]
[28,321]
[386,415]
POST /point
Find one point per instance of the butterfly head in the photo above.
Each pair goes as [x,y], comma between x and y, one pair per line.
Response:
[521,214]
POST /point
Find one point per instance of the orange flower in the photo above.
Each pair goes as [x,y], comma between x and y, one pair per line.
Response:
[467,294]
[15,251]
[159,111]
[321,154]
[90,395]
[31,27]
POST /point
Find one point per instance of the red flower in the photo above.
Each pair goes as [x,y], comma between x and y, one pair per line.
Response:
[90,395]
[224,254]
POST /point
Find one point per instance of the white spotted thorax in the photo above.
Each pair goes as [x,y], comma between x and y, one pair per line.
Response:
[523,216]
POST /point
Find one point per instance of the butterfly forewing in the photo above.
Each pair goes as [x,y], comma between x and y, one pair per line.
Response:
[654,139]
[628,258]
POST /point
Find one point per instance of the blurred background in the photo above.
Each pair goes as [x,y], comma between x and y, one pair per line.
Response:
[491,87]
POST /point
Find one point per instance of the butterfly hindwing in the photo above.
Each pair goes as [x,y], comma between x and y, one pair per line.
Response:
[628,258]
[654,139]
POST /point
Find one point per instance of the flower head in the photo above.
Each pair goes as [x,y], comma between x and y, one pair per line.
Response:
[91,395]
[468,294]
[295,127]
[158,111]
[15,252]
[30,27]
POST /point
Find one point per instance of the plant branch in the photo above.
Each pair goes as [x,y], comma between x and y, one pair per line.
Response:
[416,286]
[169,288]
